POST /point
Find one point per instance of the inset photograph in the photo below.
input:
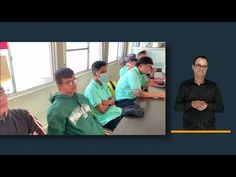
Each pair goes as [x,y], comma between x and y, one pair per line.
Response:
[83,88]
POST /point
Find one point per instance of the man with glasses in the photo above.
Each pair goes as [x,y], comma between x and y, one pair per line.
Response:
[17,121]
[70,112]
[199,98]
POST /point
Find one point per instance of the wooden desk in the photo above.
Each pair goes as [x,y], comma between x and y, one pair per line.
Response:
[153,122]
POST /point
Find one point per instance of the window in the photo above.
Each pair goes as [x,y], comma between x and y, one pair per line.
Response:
[121,50]
[31,65]
[148,44]
[116,51]
[95,52]
[81,55]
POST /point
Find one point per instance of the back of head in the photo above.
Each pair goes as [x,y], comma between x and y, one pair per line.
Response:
[63,73]
[142,54]
[97,65]
[133,59]
[128,58]
[145,61]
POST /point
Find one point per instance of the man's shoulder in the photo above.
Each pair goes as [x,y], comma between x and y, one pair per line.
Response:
[18,114]
[57,106]
[210,82]
[90,88]
[19,111]
[82,97]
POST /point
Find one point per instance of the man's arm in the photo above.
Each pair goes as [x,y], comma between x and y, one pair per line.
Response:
[199,105]
[150,77]
[180,103]
[35,127]
[108,102]
[147,84]
[104,105]
[56,123]
[96,101]
[140,93]
[217,105]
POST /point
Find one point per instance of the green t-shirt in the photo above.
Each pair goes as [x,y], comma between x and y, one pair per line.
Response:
[96,93]
[130,81]
[123,70]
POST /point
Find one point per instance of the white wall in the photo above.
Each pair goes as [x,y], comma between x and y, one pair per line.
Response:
[158,55]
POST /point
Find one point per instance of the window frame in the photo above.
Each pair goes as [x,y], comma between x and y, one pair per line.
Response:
[16,93]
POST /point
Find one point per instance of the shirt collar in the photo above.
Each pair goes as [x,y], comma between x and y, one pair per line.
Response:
[97,84]
[204,83]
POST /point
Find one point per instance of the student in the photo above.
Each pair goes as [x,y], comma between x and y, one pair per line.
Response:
[100,97]
[127,58]
[70,112]
[129,85]
[17,121]
[131,63]
[142,54]
[151,73]
[199,98]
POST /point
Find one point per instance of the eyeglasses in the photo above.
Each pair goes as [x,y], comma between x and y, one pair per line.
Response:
[201,66]
[70,82]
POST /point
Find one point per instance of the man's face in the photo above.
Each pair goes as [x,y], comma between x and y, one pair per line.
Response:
[145,68]
[101,74]
[200,68]
[3,102]
[101,70]
[68,86]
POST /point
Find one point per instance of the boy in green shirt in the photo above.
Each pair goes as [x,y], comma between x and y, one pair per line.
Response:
[131,63]
[97,92]
[70,112]
[130,84]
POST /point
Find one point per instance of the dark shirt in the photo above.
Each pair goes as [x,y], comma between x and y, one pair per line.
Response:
[208,92]
[20,122]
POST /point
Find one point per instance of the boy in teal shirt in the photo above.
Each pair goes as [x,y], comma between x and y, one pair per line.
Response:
[70,112]
[129,85]
[100,97]
[131,63]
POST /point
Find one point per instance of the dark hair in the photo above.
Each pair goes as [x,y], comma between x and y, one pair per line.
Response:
[145,61]
[127,59]
[97,65]
[63,73]
[200,56]
[133,59]
[142,52]
[132,55]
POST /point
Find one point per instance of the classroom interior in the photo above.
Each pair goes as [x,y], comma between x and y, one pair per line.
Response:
[31,65]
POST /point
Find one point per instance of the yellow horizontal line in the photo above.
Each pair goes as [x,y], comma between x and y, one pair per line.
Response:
[200,131]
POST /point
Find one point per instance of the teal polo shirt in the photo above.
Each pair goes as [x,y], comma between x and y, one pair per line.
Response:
[130,81]
[123,70]
[95,94]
